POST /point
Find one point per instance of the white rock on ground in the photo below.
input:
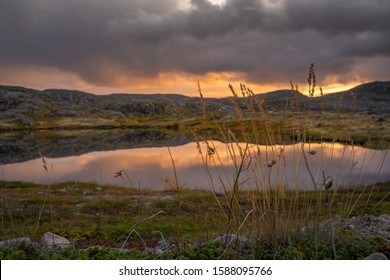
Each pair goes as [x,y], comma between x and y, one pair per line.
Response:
[51,240]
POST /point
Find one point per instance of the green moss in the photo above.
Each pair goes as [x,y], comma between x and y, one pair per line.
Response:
[90,215]
[348,247]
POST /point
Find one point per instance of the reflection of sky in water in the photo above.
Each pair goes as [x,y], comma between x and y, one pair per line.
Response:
[149,166]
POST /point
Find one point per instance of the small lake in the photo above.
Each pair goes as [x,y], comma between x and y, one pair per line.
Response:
[210,165]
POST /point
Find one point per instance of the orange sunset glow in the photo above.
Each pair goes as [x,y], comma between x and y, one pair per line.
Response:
[212,84]
[167,47]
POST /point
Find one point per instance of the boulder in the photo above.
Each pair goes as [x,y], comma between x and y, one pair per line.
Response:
[376,256]
[51,240]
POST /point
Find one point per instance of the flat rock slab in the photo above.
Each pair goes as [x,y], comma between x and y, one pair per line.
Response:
[51,240]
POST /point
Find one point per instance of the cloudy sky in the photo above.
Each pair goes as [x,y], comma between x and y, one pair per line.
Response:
[147,46]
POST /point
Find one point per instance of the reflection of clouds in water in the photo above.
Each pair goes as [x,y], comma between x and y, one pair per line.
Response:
[140,166]
[148,166]
[280,165]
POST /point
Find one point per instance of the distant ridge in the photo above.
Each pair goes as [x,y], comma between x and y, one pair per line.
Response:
[22,105]
[378,86]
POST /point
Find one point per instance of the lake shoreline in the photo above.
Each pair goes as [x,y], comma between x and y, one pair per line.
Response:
[150,164]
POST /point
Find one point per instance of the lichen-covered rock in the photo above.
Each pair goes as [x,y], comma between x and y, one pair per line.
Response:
[11,243]
[375,226]
[367,226]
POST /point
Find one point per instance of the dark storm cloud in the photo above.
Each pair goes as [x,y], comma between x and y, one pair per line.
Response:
[336,16]
[369,44]
[267,41]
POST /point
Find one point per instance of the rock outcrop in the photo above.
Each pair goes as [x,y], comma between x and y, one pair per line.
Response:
[368,226]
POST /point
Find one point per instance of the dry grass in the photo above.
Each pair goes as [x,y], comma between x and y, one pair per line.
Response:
[258,199]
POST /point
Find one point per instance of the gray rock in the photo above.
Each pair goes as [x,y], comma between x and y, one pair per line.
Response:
[161,248]
[375,226]
[230,238]
[50,240]
[156,250]
[384,218]
[11,243]
[162,245]
[371,218]
[97,247]
[376,256]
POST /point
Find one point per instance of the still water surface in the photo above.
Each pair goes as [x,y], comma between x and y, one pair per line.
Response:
[152,168]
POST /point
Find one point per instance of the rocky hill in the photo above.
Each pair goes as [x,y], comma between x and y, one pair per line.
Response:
[24,107]
[370,98]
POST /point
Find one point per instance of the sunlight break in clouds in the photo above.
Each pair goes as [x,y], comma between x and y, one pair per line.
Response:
[167,46]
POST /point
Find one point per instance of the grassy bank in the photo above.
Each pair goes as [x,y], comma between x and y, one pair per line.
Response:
[362,130]
[91,215]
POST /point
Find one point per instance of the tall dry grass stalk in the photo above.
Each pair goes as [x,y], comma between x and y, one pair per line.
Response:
[311,80]
[280,208]
[294,98]
[133,230]
[46,196]
[123,175]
